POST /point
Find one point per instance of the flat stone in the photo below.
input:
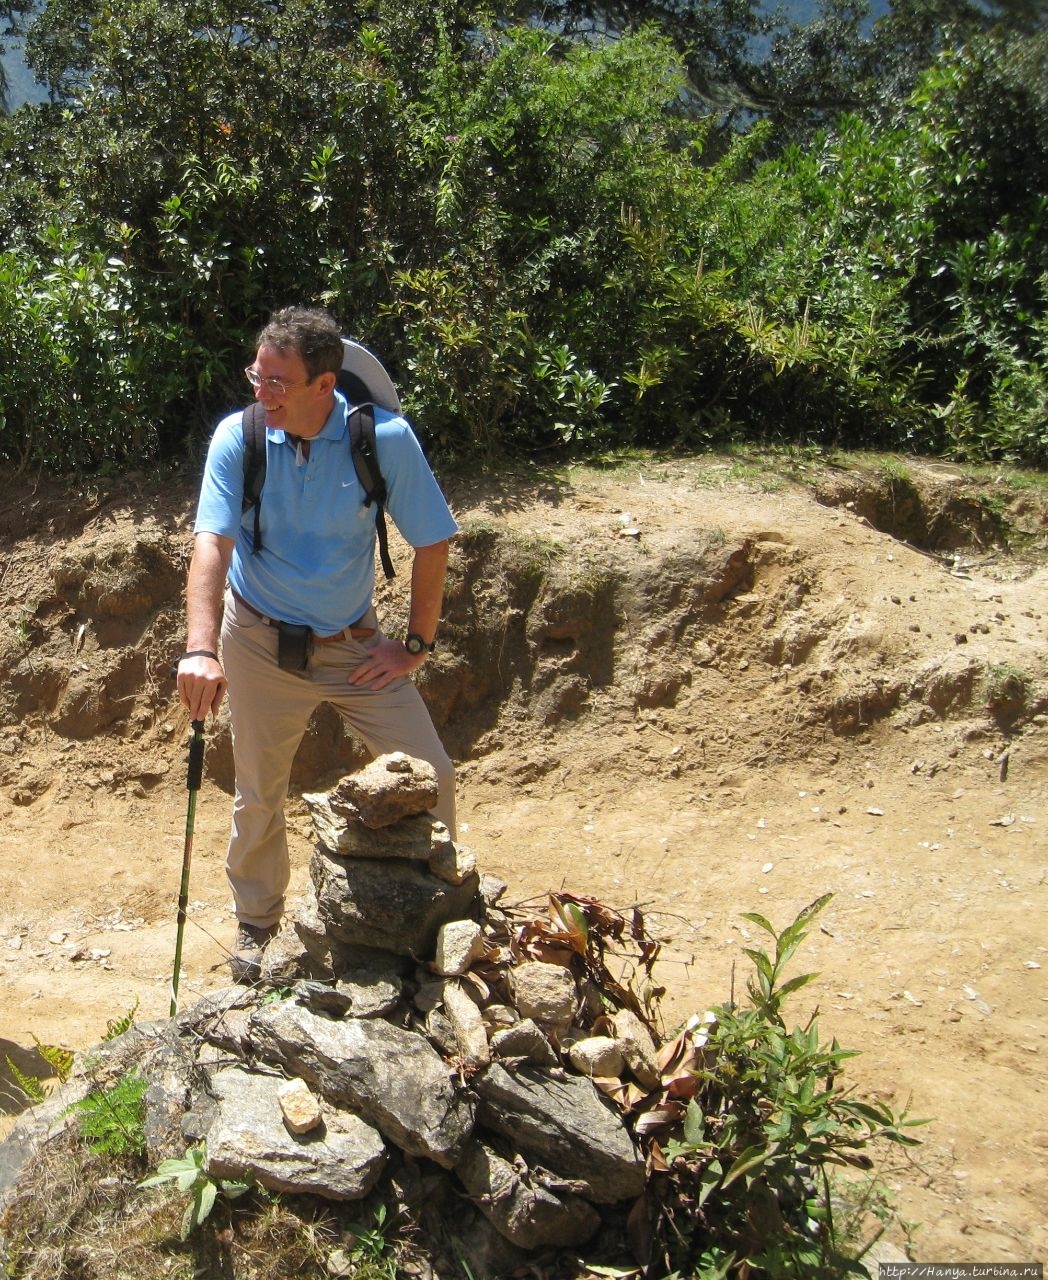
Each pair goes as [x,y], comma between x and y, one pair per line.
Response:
[564,1125]
[420,837]
[359,994]
[328,957]
[527,1214]
[341,1159]
[371,995]
[390,788]
[394,1078]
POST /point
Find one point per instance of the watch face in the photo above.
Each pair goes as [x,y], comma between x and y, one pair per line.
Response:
[414,644]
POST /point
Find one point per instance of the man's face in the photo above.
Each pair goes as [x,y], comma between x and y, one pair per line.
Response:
[291,402]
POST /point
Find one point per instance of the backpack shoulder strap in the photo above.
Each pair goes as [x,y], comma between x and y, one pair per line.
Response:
[253,426]
[364,450]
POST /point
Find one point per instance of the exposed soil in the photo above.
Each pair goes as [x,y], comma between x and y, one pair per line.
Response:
[694,685]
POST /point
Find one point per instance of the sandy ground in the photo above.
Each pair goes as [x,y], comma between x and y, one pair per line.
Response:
[928,829]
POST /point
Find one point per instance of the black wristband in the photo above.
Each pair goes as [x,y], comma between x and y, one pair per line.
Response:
[415,645]
[191,653]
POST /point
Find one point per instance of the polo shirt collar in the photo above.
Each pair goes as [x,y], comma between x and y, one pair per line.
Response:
[333,429]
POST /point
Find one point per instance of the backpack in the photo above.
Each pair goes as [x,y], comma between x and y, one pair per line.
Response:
[364,383]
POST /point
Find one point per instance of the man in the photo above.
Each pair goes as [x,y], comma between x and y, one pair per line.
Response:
[315,569]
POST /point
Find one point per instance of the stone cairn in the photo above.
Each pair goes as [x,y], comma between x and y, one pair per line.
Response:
[399,1035]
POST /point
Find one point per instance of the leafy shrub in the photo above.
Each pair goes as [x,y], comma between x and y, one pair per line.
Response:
[757,1120]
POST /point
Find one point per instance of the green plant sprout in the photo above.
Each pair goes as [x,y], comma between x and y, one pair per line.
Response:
[116,1027]
[193,1180]
[372,1249]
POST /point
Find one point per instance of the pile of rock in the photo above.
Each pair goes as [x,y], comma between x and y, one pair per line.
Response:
[398,1033]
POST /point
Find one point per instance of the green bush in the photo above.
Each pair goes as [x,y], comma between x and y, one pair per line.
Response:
[549,248]
[748,1172]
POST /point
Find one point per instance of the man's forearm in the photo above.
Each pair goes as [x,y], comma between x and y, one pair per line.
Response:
[428,572]
[204,590]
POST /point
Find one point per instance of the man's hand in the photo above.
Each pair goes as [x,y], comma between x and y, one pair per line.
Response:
[201,680]
[201,686]
[386,662]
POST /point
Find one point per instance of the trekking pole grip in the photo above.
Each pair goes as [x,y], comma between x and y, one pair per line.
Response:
[195,774]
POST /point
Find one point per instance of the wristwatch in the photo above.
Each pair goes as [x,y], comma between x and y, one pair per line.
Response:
[414,643]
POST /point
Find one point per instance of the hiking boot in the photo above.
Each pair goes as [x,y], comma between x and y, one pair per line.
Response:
[245,964]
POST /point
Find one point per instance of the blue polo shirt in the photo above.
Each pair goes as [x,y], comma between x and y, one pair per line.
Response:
[317,561]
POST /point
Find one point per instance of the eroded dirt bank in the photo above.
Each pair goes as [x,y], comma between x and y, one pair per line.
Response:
[687,685]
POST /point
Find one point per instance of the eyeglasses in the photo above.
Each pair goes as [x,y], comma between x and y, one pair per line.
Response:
[275,386]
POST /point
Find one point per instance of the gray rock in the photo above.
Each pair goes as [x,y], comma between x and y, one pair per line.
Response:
[597,1056]
[170,1068]
[441,1034]
[390,788]
[491,888]
[419,838]
[33,1131]
[524,1039]
[370,994]
[323,997]
[396,1081]
[453,862]
[881,1251]
[483,1249]
[361,994]
[210,1010]
[459,943]
[220,1018]
[471,1036]
[341,1160]
[430,992]
[329,957]
[564,1125]
[528,1215]
[395,906]
[286,959]
[499,1016]
[638,1047]
[545,992]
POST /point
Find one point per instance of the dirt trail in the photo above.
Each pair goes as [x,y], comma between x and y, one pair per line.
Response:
[681,685]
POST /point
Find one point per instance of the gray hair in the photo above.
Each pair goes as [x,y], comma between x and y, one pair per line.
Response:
[310,333]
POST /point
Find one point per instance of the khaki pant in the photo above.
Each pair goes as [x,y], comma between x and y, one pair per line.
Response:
[269,712]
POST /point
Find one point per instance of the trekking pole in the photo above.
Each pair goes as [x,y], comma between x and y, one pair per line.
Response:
[194,776]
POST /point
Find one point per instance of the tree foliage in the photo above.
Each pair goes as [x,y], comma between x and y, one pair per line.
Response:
[542,236]
[798,65]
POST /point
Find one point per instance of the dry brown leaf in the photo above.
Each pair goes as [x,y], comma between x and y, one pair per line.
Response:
[667,1115]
